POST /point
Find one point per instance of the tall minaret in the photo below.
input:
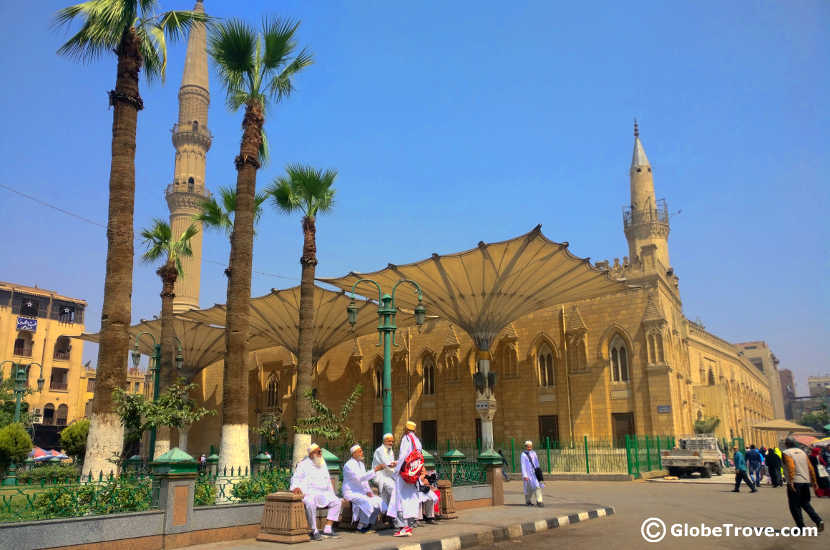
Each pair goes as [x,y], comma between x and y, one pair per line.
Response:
[646,221]
[191,139]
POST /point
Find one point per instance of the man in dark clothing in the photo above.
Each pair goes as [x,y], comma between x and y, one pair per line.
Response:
[774,467]
[740,471]
[504,466]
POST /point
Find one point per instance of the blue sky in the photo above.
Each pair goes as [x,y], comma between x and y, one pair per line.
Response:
[452,123]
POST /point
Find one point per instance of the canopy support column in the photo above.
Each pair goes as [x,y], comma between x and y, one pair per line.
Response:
[485,398]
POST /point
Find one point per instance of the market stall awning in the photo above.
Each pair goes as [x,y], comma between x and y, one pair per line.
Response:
[483,289]
[275,317]
[782,425]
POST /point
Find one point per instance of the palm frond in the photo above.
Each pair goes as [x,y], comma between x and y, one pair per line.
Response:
[156,240]
[278,35]
[104,23]
[282,194]
[232,45]
[264,148]
[177,23]
[214,215]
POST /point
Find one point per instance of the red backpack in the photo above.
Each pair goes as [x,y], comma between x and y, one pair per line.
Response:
[413,464]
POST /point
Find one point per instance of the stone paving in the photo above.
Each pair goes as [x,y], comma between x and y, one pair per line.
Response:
[475,522]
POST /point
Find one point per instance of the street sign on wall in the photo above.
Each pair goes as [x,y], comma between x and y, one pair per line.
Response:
[27,324]
[663,409]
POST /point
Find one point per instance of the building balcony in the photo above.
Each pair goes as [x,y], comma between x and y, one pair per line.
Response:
[639,216]
[55,385]
[187,134]
[61,355]
[23,352]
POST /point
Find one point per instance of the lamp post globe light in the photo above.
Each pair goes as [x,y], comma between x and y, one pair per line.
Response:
[155,367]
[387,310]
[20,375]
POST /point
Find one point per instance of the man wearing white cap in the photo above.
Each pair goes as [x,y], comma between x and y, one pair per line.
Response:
[365,505]
[311,480]
[404,507]
[531,474]
[385,478]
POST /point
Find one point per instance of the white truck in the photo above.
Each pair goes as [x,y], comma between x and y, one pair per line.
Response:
[698,453]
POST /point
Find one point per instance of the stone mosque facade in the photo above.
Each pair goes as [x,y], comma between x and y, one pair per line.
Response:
[629,363]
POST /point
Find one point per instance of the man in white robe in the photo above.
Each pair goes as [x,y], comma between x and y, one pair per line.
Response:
[404,507]
[311,480]
[365,505]
[385,478]
[532,486]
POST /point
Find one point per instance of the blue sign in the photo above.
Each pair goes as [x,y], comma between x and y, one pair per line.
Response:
[24,323]
[663,409]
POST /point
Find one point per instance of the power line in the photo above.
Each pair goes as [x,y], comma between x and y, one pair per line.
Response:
[97,224]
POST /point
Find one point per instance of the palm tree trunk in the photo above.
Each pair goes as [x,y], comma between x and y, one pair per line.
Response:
[234,452]
[167,372]
[106,434]
[305,367]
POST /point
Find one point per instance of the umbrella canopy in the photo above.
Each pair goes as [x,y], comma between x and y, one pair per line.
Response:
[483,289]
[822,442]
[827,427]
[805,440]
[275,317]
[782,425]
[42,455]
[202,343]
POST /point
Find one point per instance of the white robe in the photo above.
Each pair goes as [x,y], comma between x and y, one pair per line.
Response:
[356,488]
[529,466]
[385,479]
[314,481]
[406,500]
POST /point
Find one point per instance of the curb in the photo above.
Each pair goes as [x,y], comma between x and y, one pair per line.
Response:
[498,534]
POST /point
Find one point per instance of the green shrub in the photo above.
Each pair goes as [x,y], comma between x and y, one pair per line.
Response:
[15,444]
[205,493]
[49,474]
[255,488]
[112,496]
[73,438]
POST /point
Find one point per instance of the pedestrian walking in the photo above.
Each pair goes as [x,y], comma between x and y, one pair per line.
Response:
[800,476]
[774,466]
[504,466]
[822,478]
[754,461]
[532,476]
[740,471]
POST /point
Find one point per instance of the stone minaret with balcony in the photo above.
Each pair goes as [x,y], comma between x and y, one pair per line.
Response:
[192,140]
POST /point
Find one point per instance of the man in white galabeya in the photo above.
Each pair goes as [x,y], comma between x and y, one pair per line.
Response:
[385,478]
[365,505]
[530,475]
[404,507]
[311,480]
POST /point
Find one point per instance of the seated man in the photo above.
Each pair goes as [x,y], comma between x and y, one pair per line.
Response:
[311,480]
[365,505]
[427,495]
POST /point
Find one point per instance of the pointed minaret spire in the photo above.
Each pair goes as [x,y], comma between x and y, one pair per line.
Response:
[645,222]
[192,140]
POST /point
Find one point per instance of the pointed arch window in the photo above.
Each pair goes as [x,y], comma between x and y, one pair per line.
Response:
[378,381]
[62,348]
[619,360]
[23,344]
[429,376]
[272,393]
[545,364]
[508,360]
[62,414]
[49,414]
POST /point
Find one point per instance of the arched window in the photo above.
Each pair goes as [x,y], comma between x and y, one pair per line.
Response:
[378,382]
[195,125]
[507,361]
[711,378]
[429,376]
[23,344]
[190,184]
[62,348]
[545,361]
[619,360]
[49,414]
[63,412]
[272,391]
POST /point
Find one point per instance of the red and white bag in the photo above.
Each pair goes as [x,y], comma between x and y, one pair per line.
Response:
[412,464]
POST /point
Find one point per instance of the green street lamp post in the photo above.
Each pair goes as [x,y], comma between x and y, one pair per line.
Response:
[20,375]
[386,333]
[155,367]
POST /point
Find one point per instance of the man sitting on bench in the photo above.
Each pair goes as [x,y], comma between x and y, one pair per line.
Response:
[311,480]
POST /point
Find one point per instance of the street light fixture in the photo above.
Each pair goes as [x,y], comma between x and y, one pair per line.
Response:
[20,375]
[387,310]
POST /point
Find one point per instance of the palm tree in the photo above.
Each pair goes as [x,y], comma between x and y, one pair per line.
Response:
[308,191]
[254,68]
[161,244]
[137,34]
[219,214]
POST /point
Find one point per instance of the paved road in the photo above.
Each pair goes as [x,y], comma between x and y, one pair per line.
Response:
[711,504]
